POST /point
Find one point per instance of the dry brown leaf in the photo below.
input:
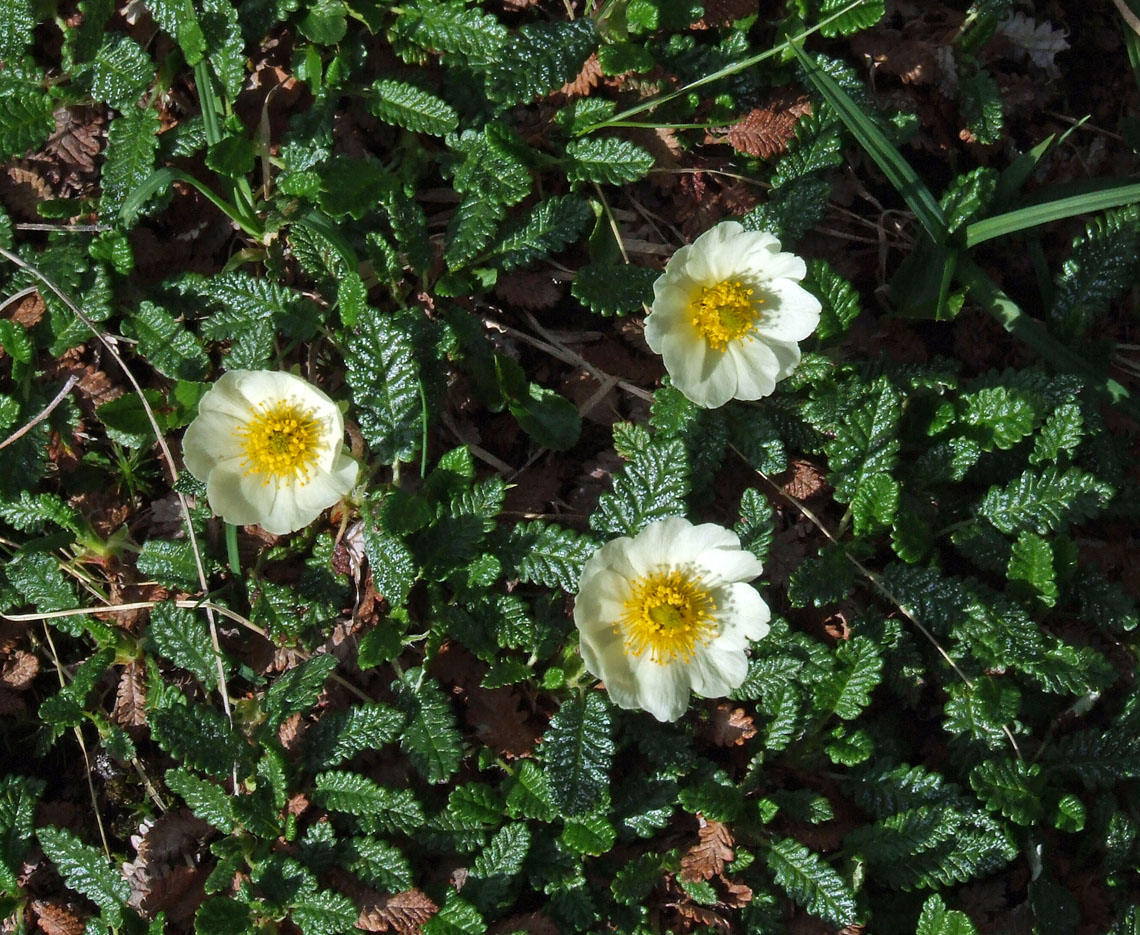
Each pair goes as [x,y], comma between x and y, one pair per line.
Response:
[74,146]
[516,6]
[724,12]
[531,290]
[20,670]
[707,858]
[55,918]
[400,913]
[130,698]
[172,834]
[703,916]
[179,892]
[586,80]
[292,731]
[765,131]
[729,726]
[806,481]
[29,310]
[495,715]
[23,187]
[737,894]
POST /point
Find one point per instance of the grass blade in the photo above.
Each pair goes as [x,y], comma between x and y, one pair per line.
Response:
[1120,192]
[897,170]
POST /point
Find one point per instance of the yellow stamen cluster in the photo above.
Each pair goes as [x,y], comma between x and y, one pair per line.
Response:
[282,443]
[667,614]
[725,312]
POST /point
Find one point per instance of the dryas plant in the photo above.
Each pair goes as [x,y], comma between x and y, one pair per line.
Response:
[972,723]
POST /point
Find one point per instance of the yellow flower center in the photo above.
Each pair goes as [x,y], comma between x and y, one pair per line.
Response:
[725,312]
[667,614]
[282,442]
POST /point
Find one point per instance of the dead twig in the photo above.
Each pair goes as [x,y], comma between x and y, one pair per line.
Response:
[42,414]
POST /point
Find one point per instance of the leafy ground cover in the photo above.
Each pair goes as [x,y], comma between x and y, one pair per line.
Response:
[449,217]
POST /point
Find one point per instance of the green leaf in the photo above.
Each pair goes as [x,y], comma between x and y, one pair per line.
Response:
[430,739]
[502,859]
[540,58]
[546,554]
[178,19]
[1031,561]
[812,883]
[981,713]
[325,913]
[1045,501]
[325,22]
[577,750]
[25,119]
[607,159]
[1011,786]
[1103,264]
[208,801]
[120,72]
[382,371]
[222,916]
[18,799]
[471,228]
[199,736]
[85,870]
[17,20]
[132,141]
[822,579]
[1000,417]
[494,165]
[875,504]
[241,302]
[589,834]
[380,865]
[408,106]
[340,735]
[653,485]
[387,810]
[848,691]
[450,26]
[169,562]
[1062,431]
[297,689]
[457,917]
[936,919]
[551,225]
[529,795]
[1099,758]
[548,418]
[182,637]
[980,103]
[859,17]
[36,576]
[839,299]
[866,441]
[167,345]
[614,290]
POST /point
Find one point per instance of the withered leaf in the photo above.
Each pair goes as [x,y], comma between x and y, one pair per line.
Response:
[765,131]
[729,726]
[400,913]
[130,698]
[707,857]
[55,918]
[20,670]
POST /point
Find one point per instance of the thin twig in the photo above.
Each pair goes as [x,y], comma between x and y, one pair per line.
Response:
[83,748]
[172,471]
[879,584]
[43,413]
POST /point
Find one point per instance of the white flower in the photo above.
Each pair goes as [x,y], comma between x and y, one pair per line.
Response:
[727,313]
[667,611]
[270,448]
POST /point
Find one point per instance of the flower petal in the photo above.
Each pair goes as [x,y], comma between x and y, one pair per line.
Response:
[787,356]
[744,615]
[239,498]
[756,367]
[790,312]
[765,263]
[209,441]
[727,565]
[715,671]
[662,689]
